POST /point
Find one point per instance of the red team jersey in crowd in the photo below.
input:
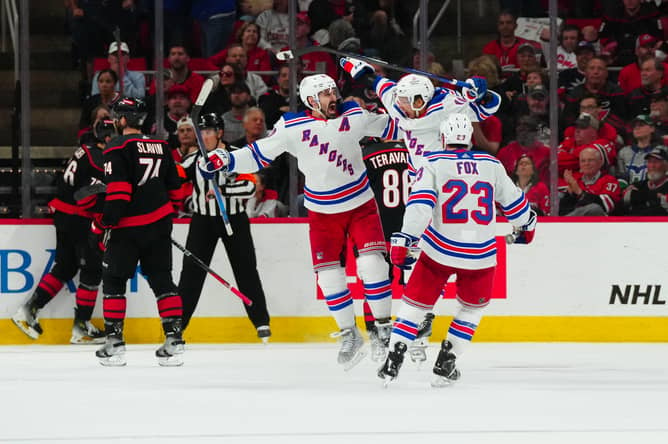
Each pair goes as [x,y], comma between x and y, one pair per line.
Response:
[605,187]
[568,154]
[539,198]
[538,153]
[507,55]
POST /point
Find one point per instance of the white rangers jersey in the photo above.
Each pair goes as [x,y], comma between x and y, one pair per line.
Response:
[423,133]
[452,207]
[327,151]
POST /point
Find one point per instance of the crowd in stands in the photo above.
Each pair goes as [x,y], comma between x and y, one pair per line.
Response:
[612,85]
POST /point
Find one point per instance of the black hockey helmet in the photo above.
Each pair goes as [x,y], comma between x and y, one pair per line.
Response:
[104,128]
[133,109]
[210,120]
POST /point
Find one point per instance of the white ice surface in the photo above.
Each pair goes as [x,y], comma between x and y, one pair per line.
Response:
[282,393]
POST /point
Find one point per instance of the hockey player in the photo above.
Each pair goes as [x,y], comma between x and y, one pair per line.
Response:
[325,140]
[136,225]
[72,221]
[452,209]
[417,109]
[206,228]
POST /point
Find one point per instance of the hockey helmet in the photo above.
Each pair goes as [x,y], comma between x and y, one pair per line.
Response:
[311,86]
[456,131]
[412,86]
[133,109]
[104,128]
[211,120]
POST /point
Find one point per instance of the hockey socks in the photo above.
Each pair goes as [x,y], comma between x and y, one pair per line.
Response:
[379,296]
[47,288]
[463,327]
[341,308]
[405,328]
[85,299]
[113,307]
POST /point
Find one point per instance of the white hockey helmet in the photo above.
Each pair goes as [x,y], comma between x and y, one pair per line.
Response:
[311,86]
[411,86]
[456,130]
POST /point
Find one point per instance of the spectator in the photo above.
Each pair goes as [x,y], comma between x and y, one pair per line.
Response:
[378,25]
[107,95]
[236,54]
[569,36]
[629,77]
[659,114]
[487,135]
[185,130]
[254,127]
[596,82]
[573,77]
[277,101]
[323,13]
[619,33]
[649,197]
[134,83]
[590,192]
[591,104]
[90,32]
[218,102]
[506,46]
[526,178]
[233,119]
[264,202]
[536,105]
[273,25]
[315,61]
[526,62]
[631,166]
[248,37]
[216,20]
[585,135]
[651,74]
[527,144]
[177,107]
[178,59]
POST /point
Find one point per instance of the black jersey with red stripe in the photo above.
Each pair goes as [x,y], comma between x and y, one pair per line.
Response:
[387,168]
[143,184]
[84,168]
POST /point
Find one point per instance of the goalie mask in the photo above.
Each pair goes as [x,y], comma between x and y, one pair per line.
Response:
[411,87]
[456,132]
[313,85]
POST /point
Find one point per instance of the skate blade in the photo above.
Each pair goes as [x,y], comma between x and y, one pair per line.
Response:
[388,380]
[355,360]
[418,354]
[113,361]
[87,340]
[265,340]
[171,361]
[441,381]
[379,355]
[26,328]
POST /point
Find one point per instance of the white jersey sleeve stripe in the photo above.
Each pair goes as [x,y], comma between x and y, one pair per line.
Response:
[261,160]
[424,197]
[517,208]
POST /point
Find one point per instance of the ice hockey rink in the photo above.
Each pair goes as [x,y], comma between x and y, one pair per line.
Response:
[296,393]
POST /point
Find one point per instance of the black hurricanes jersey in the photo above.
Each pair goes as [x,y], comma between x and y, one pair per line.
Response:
[142,181]
[387,166]
[84,168]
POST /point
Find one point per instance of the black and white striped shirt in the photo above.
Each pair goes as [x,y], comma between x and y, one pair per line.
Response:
[235,192]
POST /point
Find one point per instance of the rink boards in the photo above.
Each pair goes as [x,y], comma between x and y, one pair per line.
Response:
[581,280]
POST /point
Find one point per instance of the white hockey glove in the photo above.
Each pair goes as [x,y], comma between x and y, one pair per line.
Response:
[356,68]
[526,233]
[216,160]
[477,91]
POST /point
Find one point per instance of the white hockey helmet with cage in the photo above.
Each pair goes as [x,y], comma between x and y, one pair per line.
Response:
[412,86]
[311,86]
[456,131]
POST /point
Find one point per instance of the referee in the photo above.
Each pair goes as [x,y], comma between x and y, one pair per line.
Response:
[206,227]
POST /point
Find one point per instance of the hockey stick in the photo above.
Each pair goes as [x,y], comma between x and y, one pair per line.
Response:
[89,190]
[290,54]
[197,108]
[206,268]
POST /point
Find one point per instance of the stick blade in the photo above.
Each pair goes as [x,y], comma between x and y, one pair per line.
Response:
[204,92]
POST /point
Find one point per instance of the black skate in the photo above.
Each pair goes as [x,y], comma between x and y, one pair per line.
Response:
[112,353]
[84,332]
[418,348]
[351,352]
[170,354]
[25,319]
[264,333]
[390,370]
[445,370]
[380,340]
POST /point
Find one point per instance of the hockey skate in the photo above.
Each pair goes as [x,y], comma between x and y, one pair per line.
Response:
[264,333]
[390,370]
[418,348]
[351,352]
[84,332]
[445,370]
[112,353]
[25,319]
[380,340]
[170,354]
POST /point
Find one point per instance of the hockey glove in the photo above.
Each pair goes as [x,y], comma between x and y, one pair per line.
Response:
[528,231]
[477,89]
[400,247]
[98,235]
[356,68]
[217,160]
